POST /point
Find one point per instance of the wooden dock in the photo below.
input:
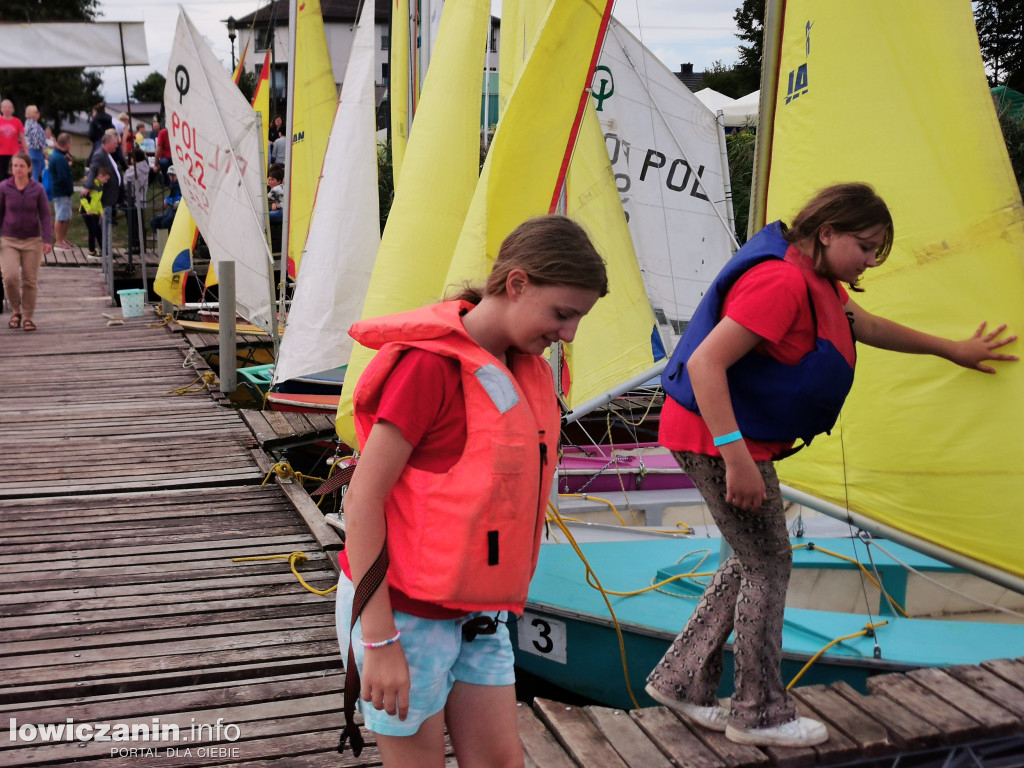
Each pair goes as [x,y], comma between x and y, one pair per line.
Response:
[129,491]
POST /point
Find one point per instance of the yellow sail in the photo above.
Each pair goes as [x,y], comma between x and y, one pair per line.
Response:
[315,97]
[894,94]
[438,177]
[521,172]
[520,22]
[614,343]
[398,85]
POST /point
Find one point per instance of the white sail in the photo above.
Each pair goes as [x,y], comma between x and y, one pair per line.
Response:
[344,232]
[215,147]
[667,153]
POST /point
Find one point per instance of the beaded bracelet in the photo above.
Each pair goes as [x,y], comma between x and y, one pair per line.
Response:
[382,643]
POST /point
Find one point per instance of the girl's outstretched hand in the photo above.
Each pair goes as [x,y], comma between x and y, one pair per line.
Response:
[970,353]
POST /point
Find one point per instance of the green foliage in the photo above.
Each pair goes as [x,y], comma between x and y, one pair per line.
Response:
[731,81]
[58,93]
[1000,25]
[385,183]
[150,89]
[740,148]
[1012,124]
[247,84]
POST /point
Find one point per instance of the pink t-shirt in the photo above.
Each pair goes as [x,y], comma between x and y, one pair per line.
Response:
[11,128]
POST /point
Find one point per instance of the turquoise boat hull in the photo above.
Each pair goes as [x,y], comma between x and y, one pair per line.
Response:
[566,635]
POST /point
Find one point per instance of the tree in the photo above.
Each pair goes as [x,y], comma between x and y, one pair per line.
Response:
[750,22]
[150,89]
[1000,25]
[58,93]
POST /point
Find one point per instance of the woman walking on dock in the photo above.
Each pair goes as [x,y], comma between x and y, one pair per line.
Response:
[26,233]
[458,423]
[768,358]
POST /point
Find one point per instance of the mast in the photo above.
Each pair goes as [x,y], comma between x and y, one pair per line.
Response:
[289,123]
[774,12]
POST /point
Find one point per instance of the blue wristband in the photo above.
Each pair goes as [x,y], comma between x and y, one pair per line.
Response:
[732,437]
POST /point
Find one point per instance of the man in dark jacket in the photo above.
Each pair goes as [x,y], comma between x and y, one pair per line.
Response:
[62,187]
[104,158]
[98,124]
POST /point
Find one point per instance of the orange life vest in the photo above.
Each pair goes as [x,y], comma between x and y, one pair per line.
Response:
[468,538]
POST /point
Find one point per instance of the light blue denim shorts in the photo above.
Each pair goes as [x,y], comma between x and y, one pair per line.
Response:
[62,208]
[437,657]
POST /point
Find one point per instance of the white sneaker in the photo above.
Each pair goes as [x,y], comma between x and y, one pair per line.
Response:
[801,732]
[712,718]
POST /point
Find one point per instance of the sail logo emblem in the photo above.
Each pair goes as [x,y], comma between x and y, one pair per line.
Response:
[607,85]
[798,81]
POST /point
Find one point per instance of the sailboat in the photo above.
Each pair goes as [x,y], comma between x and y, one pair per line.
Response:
[957,257]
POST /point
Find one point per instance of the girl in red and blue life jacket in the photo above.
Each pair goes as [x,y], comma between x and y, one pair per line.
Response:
[768,358]
[458,424]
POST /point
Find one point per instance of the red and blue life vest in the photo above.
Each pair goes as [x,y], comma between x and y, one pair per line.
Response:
[468,538]
[773,401]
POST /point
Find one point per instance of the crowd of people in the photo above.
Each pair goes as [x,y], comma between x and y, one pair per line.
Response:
[37,188]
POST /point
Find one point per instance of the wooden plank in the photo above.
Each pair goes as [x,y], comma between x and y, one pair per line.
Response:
[578,734]
[1010,670]
[906,729]
[626,737]
[540,748]
[994,718]
[838,748]
[674,738]
[840,714]
[991,686]
[326,536]
[953,724]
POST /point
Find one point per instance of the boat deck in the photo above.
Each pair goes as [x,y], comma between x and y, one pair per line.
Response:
[129,490]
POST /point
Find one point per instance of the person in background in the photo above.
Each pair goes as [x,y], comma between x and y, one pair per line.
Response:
[275,189]
[50,142]
[767,358]
[104,158]
[35,140]
[136,187]
[26,234]
[140,134]
[279,149]
[62,188]
[164,219]
[99,123]
[430,639]
[163,153]
[12,137]
[91,208]
[155,130]
[276,129]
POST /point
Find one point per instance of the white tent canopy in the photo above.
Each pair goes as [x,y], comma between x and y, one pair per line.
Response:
[713,100]
[73,44]
[742,112]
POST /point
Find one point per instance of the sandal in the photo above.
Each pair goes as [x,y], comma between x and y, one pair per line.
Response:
[29,325]
[15,321]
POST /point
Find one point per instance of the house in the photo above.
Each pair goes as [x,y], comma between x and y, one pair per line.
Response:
[267,29]
[688,77]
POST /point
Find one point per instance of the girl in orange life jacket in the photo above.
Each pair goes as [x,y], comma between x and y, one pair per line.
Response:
[456,417]
[781,311]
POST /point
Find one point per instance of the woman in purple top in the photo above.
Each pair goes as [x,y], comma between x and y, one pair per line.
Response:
[26,233]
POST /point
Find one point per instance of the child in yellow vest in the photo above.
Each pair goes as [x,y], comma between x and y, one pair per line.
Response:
[91,208]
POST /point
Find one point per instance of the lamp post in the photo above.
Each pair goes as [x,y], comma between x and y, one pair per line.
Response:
[232,34]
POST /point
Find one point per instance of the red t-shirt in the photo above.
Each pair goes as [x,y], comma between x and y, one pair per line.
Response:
[163,145]
[770,300]
[423,398]
[10,129]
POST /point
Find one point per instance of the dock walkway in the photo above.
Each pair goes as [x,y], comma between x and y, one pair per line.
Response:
[129,490]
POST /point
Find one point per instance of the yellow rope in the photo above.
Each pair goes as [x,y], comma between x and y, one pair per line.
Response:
[864,570]
[642,418]
[204,381]
[166,321]
[293,560]
[285,472]
[867,629]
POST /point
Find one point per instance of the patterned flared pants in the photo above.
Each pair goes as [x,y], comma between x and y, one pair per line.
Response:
[747,594]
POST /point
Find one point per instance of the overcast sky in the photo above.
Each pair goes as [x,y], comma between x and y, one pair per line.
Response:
[697,31]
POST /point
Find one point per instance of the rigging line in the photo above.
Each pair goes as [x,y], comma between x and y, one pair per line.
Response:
[672,133]
[849,523]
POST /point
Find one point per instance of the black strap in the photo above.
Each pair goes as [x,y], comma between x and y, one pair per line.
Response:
[369,584]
